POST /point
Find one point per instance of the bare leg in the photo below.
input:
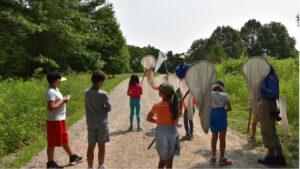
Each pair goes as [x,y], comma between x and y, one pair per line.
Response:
[214,140]
[161,163]
[222,143]
[169,162]
[67,148]
[254,122]
[101,153]
[50,153]
[90,155]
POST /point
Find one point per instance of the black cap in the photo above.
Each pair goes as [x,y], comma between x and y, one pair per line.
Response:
[53,76]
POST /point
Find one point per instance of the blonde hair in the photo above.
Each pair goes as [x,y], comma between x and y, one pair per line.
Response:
[217,87]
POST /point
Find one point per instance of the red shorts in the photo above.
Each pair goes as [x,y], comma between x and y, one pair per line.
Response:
[56,133]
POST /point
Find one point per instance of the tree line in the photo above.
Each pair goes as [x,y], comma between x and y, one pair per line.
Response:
[38,36]
[253,39]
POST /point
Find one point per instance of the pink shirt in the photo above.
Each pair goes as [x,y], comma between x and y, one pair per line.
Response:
[135,91]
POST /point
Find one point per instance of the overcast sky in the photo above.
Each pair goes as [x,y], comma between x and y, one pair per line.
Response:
[175,24]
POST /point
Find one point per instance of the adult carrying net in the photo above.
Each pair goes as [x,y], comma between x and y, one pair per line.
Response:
[283,123]
[148,62]
[255,70]
[200,77]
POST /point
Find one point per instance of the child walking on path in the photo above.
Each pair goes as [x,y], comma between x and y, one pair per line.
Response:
[57,135]
[135,91]
[218,122]
[165,114]
[97,106]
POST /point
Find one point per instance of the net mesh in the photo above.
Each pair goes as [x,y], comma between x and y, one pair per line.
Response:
[161,58]
[148,62]
[255,70]
[283,123]
[200,77]
[181,84]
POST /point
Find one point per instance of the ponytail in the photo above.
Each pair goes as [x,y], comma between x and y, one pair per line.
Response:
[174,105]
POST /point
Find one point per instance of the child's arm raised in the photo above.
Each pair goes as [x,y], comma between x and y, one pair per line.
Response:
[150,118]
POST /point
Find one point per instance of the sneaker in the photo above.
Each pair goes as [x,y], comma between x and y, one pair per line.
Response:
[252,139]
[186,137]
[53,164]
[224,161]
[75,159]
[139,129]
[178,125]
[213,161]
[280,160]
[102,167]
[130,128]
[268,160]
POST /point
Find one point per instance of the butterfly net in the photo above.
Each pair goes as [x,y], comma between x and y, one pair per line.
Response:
[148,62]
[283,123]
[199,78]
[255,70]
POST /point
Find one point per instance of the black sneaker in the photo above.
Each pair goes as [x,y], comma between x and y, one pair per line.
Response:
[53,164]
[268,160]
[75,159]
[280,160]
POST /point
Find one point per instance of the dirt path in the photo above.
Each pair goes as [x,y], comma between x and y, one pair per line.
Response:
[129,149]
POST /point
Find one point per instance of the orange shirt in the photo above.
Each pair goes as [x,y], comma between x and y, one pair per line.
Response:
[163,113]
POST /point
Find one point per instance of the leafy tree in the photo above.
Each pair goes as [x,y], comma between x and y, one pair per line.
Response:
[113,47]
[136,54]
[216,54]
[42,36]
[249,34]
[229,39]
[198,50]
[275,41]
[150,50]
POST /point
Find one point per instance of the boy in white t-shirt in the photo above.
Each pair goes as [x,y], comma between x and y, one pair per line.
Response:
[57,135]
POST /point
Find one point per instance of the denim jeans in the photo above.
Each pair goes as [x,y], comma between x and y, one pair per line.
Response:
[188,124]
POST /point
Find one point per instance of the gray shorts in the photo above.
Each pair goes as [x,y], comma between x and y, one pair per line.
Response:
[98,134]
[167,141]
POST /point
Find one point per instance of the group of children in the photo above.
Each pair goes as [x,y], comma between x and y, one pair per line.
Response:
[165,114]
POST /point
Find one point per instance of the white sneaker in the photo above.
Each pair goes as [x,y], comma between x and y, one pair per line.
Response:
[102,167]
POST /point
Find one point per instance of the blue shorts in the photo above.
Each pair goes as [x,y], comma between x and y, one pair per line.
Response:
[218,119]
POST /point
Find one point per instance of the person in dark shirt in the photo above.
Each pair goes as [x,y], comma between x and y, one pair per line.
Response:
[267,105]
[182,67]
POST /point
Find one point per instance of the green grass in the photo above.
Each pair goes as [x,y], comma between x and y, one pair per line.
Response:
[75,86]
[288,71]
